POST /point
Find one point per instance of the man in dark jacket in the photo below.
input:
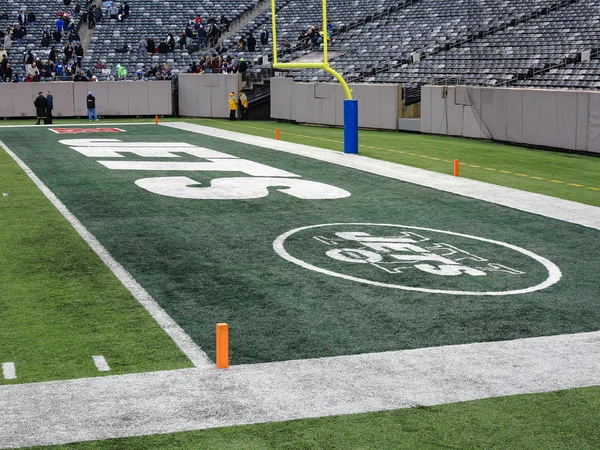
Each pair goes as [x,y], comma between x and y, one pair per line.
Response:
[251,41]
[49,107]
[41,105]
[264,37]
[91,106]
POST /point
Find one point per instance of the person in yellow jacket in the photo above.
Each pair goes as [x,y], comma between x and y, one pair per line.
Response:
[233,104]
[243,105]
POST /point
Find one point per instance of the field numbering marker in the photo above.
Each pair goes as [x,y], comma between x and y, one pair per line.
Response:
[101,363]
[8,371]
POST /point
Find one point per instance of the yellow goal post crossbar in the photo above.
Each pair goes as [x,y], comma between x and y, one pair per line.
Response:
[314,65]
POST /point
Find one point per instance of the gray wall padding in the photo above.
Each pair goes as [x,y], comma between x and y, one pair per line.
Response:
[583,117]
[566,118]
[548,118]
[594,123]
[426,109]
[552,118]
[112,98]
[514,115]
[323,103]
[438,111]
[454,113]
[207,95]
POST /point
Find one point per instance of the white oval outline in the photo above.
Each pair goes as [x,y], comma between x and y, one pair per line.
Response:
[554,273]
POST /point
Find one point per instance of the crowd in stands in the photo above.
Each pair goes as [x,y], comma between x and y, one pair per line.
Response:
[60,54]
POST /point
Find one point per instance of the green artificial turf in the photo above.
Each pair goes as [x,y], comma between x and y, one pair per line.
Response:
[209,261]
[59,304]
[559,420]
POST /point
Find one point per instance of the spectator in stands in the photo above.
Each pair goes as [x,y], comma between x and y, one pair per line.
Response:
[142,49]
[213,33]
[19,33]
[39,64]
[68,52]
[121,72]
[4,15]
[28,59]
[8,72]
[33,72]
[251,43]
[91,106]
[59,68]
[7,41]
[264,37]
[97,14]
[241,45]
[243,67]
[126,9]
[57,35]
[41,107]
[234,64]
[22,18]
[113,11]
[67,2]
[3,54]
[211,19]
[49,107]
[171,42]
[77,10]
[45,38]
[60,24]
[73,36]
[31,18]
[243,106]
[220,49]
[182,40]
[225,23]
[202,37]
[126,48]
[79,53]
[150,45]
[52,55]
[100,65]
[141,73]
[163,48]
[286,45]
[233,104]
[121,14]
[189,32]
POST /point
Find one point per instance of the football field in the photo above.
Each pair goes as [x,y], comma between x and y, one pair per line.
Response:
[307,254]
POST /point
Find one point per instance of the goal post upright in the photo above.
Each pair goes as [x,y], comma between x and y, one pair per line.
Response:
[350,104]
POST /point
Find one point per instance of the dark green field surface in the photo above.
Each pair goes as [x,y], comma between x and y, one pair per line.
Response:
[209,261]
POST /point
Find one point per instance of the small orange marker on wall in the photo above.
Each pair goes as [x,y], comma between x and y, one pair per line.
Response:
[277,133]
[156,120]
[456,168]
[222,335]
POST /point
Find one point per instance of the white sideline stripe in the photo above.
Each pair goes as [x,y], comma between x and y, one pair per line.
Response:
[101,363]
[169,401]
[8,371]
[181,339]
[543,205]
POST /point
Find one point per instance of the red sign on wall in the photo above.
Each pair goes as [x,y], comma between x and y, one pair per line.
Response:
[85,130]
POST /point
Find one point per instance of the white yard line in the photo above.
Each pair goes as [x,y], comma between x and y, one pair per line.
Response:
[170,401]
[9,372]
[101,363]
[180,337]
[543,205]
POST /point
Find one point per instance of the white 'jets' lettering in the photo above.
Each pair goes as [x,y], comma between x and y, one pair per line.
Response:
[235,188]
[240,188]
[411,254]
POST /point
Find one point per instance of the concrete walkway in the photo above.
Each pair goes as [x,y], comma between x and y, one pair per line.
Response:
[170,401]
